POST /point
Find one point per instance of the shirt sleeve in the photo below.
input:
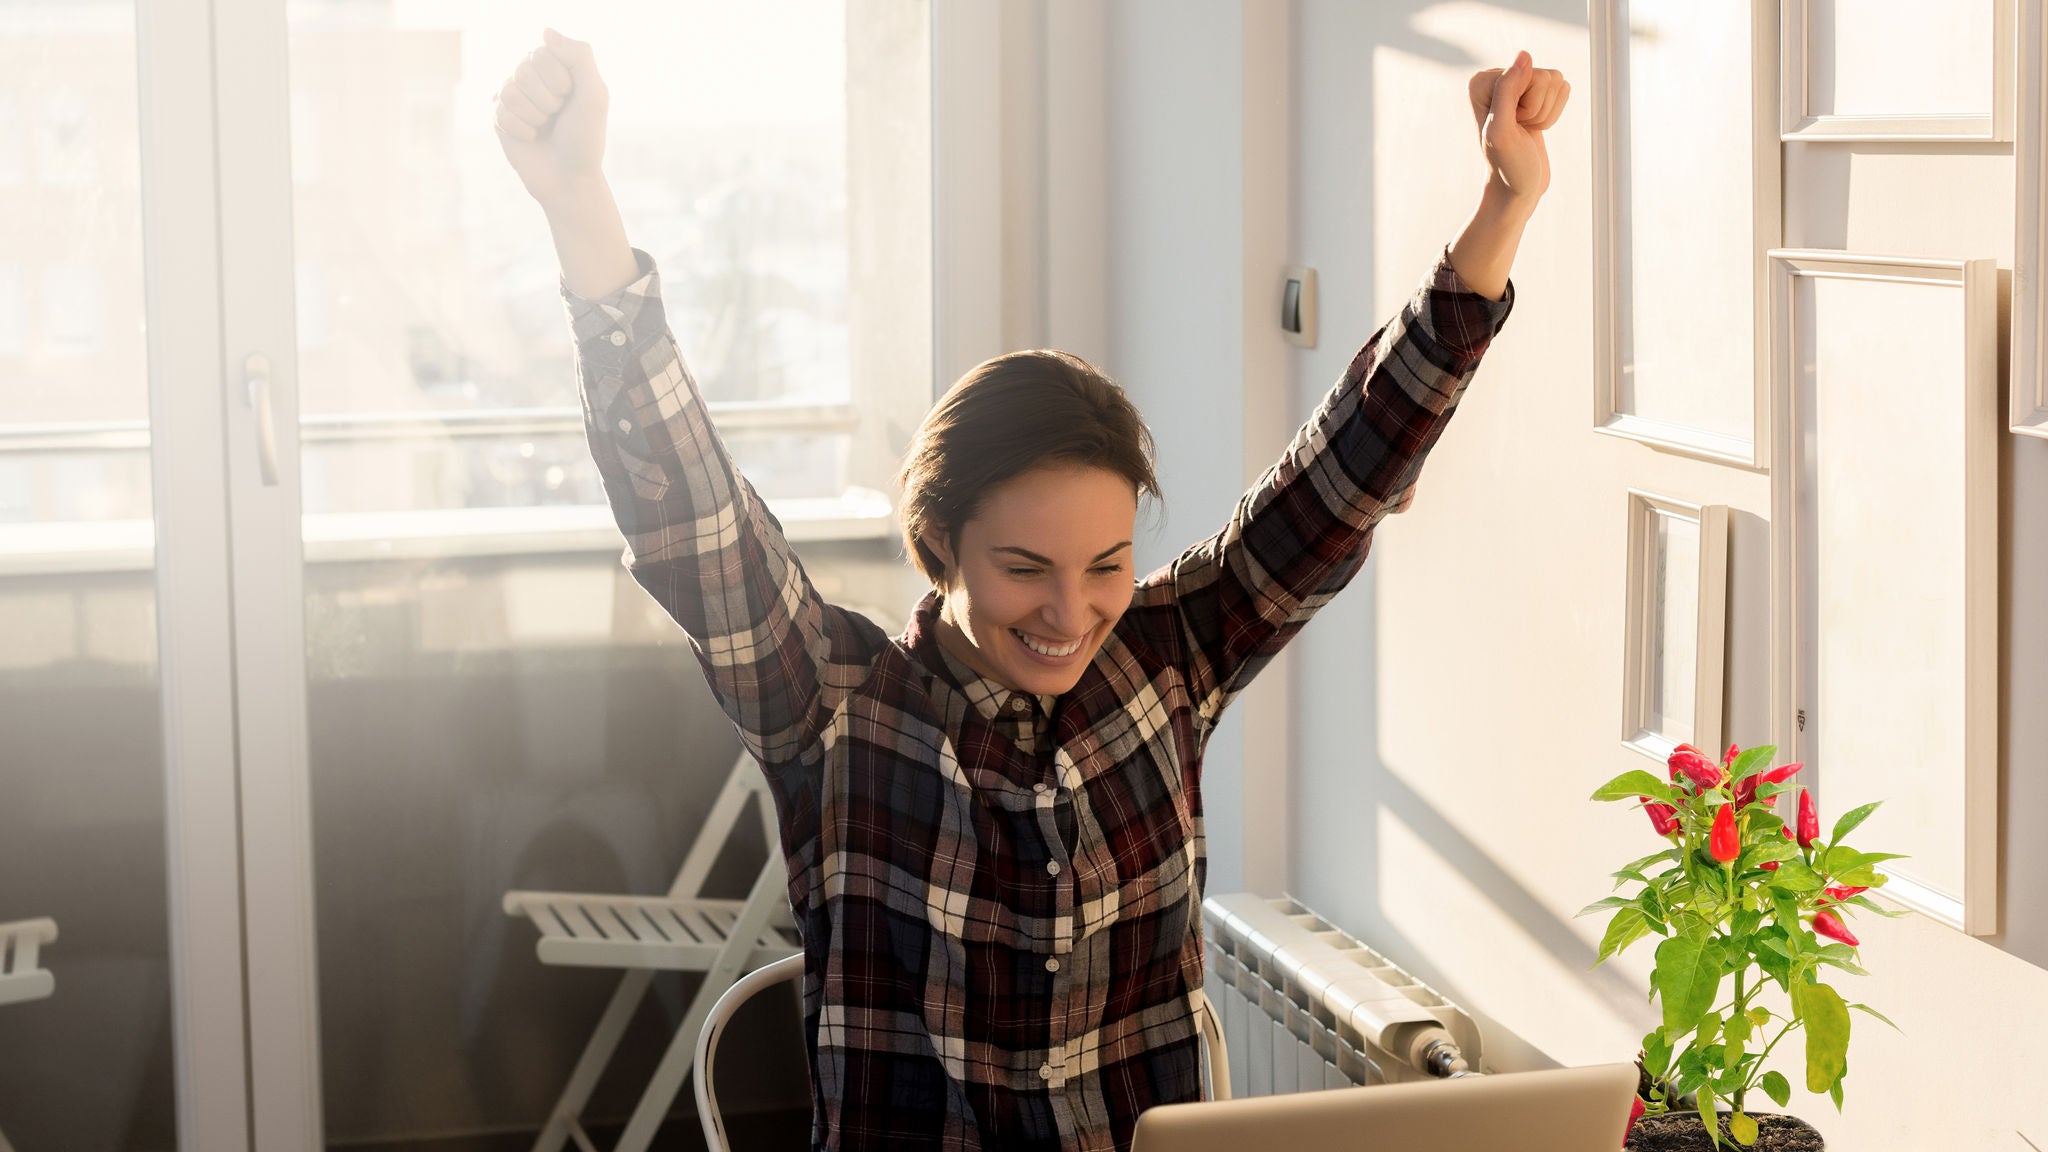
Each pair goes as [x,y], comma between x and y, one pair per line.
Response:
[1302,531]
[698,537]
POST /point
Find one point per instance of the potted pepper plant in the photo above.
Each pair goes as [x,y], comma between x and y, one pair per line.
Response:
[1751,911]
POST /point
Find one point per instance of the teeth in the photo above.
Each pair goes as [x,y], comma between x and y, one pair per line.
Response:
[1042,650]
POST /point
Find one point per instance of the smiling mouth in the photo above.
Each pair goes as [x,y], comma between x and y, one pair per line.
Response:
[1046,650]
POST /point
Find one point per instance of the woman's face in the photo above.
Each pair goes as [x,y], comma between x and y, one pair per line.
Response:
[1036,580]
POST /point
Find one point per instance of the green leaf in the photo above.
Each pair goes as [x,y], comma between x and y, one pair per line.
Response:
[1881,1016]
[1777,1088]
[1827,1034]
[1631,784]
[1645,862]
[1795,876]
[1625,929]
[1835,1094]
[1842,859]
[1687,975]
[1657,1054]
[1743,1127]
[1869,905]
[1628,874]
[1708,1031]
[1751,762]
[1707,1115]
[1758,1017]
[1736,1033]
[1849,820]
[1768,791]
[1765,851]
[1606,902]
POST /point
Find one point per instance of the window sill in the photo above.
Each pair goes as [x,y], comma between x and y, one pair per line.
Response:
[338,538]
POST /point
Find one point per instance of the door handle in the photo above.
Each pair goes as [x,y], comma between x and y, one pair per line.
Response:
[256,374]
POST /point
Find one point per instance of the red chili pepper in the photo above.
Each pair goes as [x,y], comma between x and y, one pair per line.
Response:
[1635,1113]
[1769,865]
[1733,752]
[1745,792]
[1704,773]
[1724,842]
[1839,893]
[1781,774]
[1830,925]
[1663,817]
[1809,819]
[1745,788]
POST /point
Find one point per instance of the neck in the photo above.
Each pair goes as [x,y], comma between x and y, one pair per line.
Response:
[956,642]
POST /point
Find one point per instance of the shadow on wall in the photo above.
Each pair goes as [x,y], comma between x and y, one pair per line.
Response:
[1346,795]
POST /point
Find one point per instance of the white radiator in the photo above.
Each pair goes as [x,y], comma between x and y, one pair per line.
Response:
[1305,1006]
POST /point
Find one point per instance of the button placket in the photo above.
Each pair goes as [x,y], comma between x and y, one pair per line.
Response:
[1062,879]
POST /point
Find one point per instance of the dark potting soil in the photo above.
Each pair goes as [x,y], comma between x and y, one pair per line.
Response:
[1683,1132]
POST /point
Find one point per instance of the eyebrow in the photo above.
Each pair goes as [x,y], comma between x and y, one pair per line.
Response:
[1035,558]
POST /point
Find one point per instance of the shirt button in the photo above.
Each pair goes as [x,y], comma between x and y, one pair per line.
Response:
[1045,1071]
[625,425]
[1052,963]
[1018,704]
[1052,867]
[1041,789]
[618,337]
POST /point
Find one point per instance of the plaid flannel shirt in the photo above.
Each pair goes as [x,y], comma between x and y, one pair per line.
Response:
[999,894]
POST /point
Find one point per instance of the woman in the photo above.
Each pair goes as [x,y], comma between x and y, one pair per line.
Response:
[993,822]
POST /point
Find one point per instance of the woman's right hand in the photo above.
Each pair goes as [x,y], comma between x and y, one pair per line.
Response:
[550,117]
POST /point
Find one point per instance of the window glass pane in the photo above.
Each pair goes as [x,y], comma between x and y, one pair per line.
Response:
[1674,634]
[81,751]
[426,281]
[492,702]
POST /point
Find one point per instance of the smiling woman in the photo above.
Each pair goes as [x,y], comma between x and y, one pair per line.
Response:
[993,821]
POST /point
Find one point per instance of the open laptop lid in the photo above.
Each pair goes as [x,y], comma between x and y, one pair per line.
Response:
[1567,1110]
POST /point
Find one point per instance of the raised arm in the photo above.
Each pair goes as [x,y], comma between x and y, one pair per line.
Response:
[1301,533]
[698,536]
[1517,167]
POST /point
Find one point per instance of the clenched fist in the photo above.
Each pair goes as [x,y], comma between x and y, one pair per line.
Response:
[550,117]
[1513,144]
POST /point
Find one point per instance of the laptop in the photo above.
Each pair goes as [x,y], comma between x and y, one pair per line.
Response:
[1567,1110]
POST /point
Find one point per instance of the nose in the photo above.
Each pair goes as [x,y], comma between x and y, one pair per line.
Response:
[1069,614]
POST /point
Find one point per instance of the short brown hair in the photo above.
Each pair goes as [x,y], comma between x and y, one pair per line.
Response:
[1003,418]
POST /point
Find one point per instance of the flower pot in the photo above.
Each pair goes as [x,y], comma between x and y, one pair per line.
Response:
[1683,1132]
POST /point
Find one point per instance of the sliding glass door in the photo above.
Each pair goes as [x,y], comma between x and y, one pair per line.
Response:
[313,634]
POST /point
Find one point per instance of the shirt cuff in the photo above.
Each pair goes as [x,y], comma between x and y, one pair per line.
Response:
[619,312]
[1461,319]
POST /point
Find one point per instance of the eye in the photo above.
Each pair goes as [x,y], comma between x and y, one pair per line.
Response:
[1109,569]
[1020,573]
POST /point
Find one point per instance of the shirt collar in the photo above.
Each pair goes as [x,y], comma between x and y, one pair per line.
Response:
[993,700]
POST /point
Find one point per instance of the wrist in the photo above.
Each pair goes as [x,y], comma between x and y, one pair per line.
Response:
[578,199]
[1502,203]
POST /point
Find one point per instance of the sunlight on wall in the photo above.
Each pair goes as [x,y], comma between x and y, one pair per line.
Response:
[1486,955]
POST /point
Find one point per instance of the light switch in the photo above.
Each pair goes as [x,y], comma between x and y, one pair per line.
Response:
[1298,305]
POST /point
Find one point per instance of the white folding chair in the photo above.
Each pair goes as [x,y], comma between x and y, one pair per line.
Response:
[682,931]
[21,978]
[792,968]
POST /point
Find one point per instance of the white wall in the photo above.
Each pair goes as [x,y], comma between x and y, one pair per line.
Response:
[1455,707]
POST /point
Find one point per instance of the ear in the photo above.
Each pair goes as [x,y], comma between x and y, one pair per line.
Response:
[941,546]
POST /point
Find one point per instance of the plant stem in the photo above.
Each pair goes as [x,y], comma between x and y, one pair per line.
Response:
[1757,1073]
[1741,1005]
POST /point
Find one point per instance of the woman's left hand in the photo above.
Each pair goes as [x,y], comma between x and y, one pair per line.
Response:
[1519,166]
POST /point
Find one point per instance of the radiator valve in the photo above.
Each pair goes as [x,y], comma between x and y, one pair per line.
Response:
[1439,1056]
